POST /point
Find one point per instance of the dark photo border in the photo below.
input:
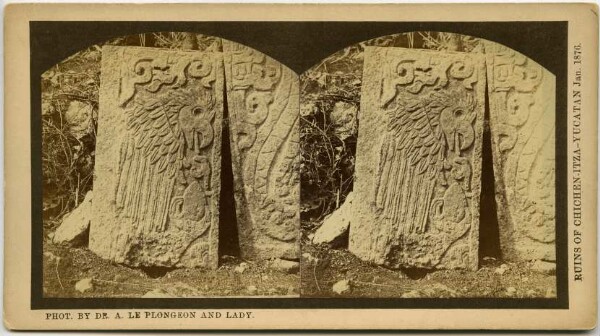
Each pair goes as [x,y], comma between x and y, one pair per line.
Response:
[299,45]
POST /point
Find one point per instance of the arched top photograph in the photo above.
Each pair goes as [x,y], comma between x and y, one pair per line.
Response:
[169,153]
[445,141]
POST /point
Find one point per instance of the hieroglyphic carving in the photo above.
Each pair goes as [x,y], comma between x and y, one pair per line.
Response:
[263,104]
[522,122]
[418,159]
[157,173]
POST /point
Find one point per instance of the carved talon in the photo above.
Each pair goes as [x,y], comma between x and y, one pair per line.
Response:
[176,208]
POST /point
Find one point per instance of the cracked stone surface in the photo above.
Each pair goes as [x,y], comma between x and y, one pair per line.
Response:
[522,122]
[158,158]
[418,159]
[263,105]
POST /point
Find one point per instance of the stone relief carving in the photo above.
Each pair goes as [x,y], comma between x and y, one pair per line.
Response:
[157,177]
[419,159]
[263,104]
[522,122]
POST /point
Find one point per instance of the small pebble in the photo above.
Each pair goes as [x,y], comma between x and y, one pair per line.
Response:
[285,266]
[241,268]
[309,258]
[84,285]
[341,287]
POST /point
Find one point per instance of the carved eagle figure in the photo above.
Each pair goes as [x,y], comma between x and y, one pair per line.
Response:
[424,133]
[164,132]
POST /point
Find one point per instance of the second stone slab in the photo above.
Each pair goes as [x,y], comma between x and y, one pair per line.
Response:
[263,106]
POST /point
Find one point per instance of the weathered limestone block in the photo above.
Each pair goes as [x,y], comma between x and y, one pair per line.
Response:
[522,122]
[75,225]
[158,156]
[263,105]
[418,161]
[336,225]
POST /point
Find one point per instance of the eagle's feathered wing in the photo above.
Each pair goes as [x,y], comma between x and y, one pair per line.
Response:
[150,159]
[412,155]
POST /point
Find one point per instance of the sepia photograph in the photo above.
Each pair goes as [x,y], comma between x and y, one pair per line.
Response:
[171,167]
[170,170]
[428,170]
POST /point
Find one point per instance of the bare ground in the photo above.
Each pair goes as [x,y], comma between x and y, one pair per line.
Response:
[65,266]
[322,267]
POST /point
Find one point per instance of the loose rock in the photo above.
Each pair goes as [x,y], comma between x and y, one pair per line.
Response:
[78,117]
[341,287]
[252,290]
[344,120]
[84,285]
[285,266]
[335,227]
[241,267]
[75,225]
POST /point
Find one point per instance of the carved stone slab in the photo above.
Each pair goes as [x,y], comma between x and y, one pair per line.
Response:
[263,105]
[418,161]
[158,156]
[522,122]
